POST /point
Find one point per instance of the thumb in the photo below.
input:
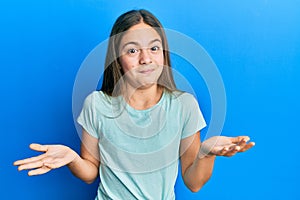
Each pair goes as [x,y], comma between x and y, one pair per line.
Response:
[38,147]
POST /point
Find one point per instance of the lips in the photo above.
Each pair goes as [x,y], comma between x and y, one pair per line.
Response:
[146,71]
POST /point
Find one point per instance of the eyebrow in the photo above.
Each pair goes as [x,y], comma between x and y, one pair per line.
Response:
[136,43]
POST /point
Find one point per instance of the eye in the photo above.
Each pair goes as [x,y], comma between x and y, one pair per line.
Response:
[132,51]
[155,48]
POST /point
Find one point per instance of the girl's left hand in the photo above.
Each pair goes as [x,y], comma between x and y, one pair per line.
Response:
[224,146]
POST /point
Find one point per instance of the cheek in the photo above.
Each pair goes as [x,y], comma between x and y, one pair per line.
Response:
[126,64]
[160,59]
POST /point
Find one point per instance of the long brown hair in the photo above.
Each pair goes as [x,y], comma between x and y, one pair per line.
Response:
[113,71]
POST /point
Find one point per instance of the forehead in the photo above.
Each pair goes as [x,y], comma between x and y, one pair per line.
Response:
[140,33]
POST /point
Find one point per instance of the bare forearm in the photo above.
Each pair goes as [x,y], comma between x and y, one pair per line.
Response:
[83,169]
[197,174]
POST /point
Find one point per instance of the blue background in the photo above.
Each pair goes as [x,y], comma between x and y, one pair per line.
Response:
[255,44]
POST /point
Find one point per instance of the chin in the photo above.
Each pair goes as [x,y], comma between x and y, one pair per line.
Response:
[146,85]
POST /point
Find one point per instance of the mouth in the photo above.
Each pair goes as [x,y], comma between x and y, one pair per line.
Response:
[146,71]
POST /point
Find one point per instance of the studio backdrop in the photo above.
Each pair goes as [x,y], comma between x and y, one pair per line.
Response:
[244,73]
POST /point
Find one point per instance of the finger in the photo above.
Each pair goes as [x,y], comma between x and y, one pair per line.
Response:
[239,139]
[232,151]
[247,146]
[38,147]
[39,171]
[242,143]
[226,148]
[223,151]
[32,165]
[52,165]
[29,160]
[235,148]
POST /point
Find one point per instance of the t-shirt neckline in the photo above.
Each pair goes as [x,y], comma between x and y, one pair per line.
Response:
[130,108]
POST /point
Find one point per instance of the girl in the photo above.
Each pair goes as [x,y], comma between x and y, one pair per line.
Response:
[138,126]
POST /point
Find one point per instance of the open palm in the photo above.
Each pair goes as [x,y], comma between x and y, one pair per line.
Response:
[54,156]
[225,146]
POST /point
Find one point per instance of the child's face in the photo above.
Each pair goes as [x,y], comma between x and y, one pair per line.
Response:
[141,55]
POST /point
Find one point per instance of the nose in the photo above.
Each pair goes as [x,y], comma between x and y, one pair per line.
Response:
[145,57]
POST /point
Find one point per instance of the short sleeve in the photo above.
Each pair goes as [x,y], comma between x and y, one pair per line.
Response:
[193,120]
[88,118]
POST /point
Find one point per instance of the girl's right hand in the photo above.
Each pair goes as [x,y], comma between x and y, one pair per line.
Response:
[54,156]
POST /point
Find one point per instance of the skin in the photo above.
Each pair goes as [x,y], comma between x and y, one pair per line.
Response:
[142,62]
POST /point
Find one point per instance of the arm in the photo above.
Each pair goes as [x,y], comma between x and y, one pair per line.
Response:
[195,172]
[197,158]
[84,167]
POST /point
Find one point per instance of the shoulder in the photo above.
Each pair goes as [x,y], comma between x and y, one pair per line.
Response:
[97,97]
[183,97]
[102,104]
[187,97]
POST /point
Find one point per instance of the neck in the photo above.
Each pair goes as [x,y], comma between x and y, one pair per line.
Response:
[143,98]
